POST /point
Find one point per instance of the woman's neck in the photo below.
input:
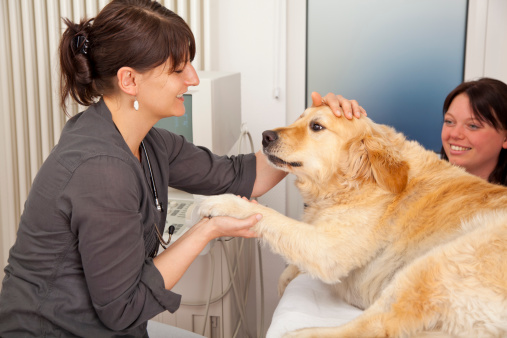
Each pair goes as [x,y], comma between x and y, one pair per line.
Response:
[131,124]
[483,172]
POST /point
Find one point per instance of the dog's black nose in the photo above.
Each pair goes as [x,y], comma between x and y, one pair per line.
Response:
[268,136]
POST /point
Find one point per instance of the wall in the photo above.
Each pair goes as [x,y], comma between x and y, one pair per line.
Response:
[250,38]
[386,68]
[486,40]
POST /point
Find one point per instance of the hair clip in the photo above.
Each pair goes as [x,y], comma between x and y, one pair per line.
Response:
[81,44]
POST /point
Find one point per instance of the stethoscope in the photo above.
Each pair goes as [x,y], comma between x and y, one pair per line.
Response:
[153,187]
[157,203]
[155,197]
[152,179]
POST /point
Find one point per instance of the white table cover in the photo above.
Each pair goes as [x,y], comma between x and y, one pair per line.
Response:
[309,302]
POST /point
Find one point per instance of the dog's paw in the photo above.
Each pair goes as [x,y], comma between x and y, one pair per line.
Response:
[225,205]
[290,272]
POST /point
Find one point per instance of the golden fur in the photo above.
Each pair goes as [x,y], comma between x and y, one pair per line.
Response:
[417,242]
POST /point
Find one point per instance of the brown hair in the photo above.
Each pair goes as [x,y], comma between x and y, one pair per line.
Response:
[141,34]
[488,100]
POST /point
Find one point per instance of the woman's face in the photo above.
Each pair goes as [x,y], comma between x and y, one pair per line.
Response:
[161,93]
[468,142]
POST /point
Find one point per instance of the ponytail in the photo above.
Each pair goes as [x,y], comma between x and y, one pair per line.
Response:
[76,77]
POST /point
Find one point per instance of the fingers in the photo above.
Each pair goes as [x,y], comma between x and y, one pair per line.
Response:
[248,200]
[316,99]
[357,110]
[339,105]
[234,227]
[251,221]
[330,100]
[348,107]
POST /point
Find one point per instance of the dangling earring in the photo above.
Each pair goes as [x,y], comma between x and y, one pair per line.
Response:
[136,104]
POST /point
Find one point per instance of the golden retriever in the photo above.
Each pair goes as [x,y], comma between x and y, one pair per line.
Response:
[418,243]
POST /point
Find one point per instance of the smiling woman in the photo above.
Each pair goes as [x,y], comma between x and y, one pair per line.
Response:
[474,133]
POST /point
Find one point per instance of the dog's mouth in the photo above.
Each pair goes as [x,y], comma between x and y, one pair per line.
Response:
[277,161]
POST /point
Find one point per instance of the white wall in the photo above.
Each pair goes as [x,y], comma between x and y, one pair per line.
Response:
[250,38]
[486,49]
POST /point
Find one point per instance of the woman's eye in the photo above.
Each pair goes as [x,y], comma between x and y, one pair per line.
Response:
[316,126]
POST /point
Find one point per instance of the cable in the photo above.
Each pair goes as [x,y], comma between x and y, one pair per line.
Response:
[227,289]
[212,262]
[245,300]
[261,278]
[235,289]
[244,131]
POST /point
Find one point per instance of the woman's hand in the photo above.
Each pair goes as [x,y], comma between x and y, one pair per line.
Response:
[339,105]
[232,227]
[175,260]
[221,226]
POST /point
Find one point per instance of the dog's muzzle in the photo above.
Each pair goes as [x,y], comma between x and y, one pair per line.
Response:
[269,139]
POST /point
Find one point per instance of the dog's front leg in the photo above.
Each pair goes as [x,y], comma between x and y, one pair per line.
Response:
[227,205]
[326,255]
[290,272]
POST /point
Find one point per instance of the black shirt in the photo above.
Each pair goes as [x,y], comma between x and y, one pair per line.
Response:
[82,261]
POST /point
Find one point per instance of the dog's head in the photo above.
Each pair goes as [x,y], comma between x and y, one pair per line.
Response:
[325,149]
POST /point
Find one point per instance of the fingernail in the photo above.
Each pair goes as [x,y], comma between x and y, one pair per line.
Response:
[258,216]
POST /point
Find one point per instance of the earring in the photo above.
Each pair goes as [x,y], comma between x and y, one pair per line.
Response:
[136,104]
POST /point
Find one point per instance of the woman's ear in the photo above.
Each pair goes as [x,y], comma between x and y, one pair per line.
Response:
[127,80]
[504,144]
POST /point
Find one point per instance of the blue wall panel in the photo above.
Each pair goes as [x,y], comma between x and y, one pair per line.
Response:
[398,58]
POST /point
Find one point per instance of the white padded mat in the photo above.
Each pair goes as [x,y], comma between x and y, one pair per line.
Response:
[308,302]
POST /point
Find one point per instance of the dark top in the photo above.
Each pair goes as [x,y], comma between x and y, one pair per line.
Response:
[82,262]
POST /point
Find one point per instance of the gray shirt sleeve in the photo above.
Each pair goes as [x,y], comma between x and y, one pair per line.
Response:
[197,170]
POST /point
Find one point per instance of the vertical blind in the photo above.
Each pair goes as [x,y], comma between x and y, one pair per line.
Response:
[31,119]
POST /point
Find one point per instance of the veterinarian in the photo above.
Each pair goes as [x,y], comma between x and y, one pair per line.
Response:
[85,259]
[474,132]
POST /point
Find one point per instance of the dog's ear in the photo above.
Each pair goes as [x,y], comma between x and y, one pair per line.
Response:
[387,168]
[372,156]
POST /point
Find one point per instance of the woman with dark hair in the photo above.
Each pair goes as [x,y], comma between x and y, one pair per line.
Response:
[474,133]
[85,258]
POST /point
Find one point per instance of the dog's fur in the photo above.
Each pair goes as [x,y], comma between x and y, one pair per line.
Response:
[417,242]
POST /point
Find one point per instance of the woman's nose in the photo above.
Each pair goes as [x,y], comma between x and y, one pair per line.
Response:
[457,132]
[192,79]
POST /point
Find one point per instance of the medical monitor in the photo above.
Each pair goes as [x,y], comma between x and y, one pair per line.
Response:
[212,112]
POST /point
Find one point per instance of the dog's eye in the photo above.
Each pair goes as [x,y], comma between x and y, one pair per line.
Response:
[316,127]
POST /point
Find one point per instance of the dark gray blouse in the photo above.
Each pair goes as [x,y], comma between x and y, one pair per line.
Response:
[82,262]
